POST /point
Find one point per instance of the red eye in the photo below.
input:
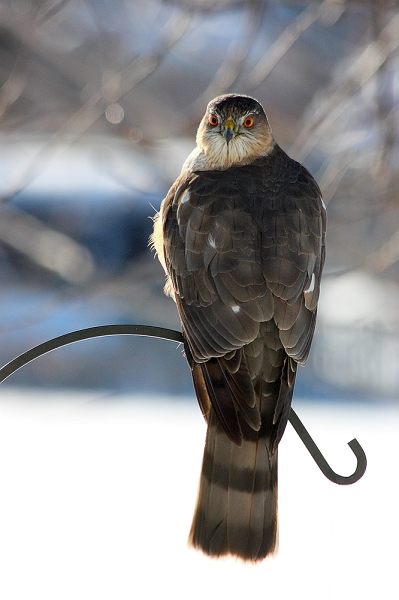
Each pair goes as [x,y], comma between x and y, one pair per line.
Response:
[248,122]
[213,120]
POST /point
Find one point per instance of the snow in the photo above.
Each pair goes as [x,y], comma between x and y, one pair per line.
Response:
[97,495]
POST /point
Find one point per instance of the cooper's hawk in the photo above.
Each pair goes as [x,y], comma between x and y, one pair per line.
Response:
[241,238]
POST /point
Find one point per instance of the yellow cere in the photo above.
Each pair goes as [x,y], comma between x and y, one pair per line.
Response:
[229,124]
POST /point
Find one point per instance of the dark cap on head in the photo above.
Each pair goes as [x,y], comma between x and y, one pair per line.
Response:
[235,104]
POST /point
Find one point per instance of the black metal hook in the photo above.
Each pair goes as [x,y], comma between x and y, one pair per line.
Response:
[170,334]
[321,461]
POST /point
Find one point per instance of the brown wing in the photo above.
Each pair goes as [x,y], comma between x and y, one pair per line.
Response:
[243,247]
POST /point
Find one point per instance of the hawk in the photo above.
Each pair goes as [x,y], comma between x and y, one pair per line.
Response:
[240,236]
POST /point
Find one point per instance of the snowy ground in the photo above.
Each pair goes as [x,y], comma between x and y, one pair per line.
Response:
[97,496]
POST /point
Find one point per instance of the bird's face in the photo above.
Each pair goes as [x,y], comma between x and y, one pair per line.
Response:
[234,131]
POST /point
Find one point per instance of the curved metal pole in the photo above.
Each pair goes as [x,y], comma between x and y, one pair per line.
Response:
[321,461]
[170,334]
[85,334]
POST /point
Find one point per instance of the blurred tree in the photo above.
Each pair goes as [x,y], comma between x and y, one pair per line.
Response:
[133,74]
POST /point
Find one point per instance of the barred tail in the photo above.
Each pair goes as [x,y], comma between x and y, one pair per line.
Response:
[236,511]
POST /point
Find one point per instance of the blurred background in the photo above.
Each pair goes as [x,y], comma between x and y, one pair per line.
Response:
[99,105]
[101,441]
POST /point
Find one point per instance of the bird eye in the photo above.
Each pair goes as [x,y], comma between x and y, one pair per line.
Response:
[249,121]
[213,120]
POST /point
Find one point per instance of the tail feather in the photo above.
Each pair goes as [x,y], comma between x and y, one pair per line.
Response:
[236,512]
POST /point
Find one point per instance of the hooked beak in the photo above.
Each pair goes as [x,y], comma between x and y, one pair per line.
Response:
[229,130]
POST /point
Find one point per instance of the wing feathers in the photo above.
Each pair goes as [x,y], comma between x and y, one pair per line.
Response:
[231,391]
[222,401]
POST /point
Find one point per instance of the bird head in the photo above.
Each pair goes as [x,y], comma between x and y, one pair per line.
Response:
[234,131]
